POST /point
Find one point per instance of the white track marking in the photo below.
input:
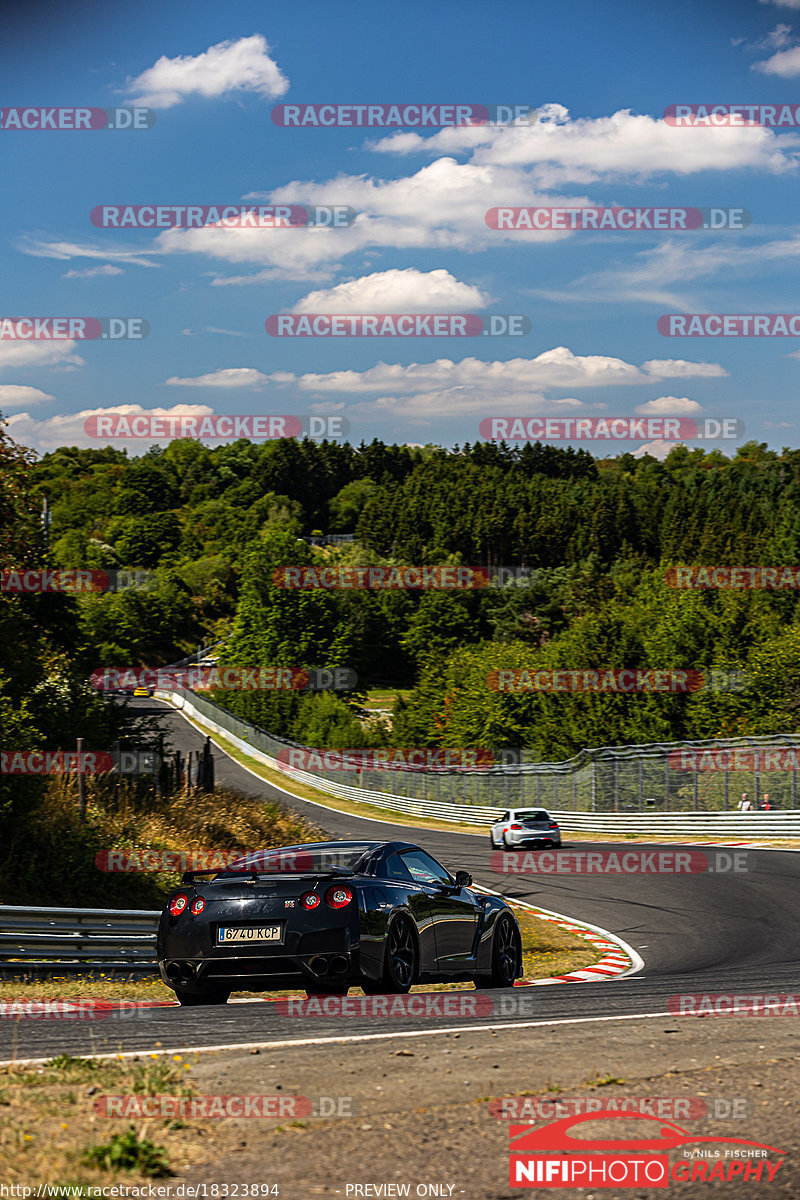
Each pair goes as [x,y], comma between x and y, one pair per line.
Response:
[351,1038]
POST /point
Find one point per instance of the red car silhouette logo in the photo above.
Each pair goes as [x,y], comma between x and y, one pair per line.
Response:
[557,1136]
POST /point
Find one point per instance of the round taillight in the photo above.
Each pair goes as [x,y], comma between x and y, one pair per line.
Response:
[515,827]
[197,906]
[178,903]
[310,900]
[339,896]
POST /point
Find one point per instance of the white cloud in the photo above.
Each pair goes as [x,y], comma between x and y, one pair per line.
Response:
[681,368]
[786,64]
[782,3]
[12,395]
[474,387]
[560,149]
[240,66]
[67,429]
[669,406]
[93,272]
[658,449]
[443,206]
[41,248]
[17,354]
[229,377]
[396,291]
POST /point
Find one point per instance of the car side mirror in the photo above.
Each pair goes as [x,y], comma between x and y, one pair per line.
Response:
[463,879]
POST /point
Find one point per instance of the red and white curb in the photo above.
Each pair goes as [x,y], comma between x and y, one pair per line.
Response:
[619,960]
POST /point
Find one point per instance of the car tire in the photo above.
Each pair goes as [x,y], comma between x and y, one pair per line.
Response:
[492,842]
[400,961]
[508,845]
[505,956]
[193,999]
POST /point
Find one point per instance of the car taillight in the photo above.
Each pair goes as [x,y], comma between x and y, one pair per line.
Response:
[197,906]
[178,903]
[310,900]
[338,897]
[553,825]
[515,827]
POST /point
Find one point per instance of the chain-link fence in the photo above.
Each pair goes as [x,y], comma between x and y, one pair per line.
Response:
[677,777]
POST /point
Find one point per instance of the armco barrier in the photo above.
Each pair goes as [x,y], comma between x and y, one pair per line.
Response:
[714,824]
[76,939]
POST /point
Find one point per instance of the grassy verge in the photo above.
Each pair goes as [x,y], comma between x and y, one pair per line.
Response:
[50,1132]
[53,856]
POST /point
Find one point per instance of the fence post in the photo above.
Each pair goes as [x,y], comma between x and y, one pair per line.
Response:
[758,779]
[616,784]
[641,784]
[594,785]
[81,782]
[666,782]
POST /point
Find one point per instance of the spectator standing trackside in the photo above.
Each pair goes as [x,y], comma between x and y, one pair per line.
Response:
[744,804]
[765,805]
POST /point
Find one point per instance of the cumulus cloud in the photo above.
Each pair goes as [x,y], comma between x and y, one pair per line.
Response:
[13,395]
[561,149]
[396,291]
[67,429]
[474,387]
[669,406]
[16,354]
[782,3]
[681,368]
[229,377]
[658,449]
[785,64]
[241,66]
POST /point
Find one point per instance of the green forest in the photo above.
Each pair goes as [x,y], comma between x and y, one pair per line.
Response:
[211,525]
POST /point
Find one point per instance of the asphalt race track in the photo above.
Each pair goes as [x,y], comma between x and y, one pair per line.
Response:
[709,933]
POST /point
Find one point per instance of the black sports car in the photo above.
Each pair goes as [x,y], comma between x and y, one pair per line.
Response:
[328,916]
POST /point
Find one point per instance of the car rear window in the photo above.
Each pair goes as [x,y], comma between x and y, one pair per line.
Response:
[301,860]
[534,814]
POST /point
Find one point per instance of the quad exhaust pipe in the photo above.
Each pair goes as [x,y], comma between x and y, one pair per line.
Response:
[180,972]
[321,965]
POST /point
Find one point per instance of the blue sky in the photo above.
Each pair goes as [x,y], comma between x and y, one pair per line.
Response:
[600,76]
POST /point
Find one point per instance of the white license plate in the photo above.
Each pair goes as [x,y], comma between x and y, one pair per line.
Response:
[249,933]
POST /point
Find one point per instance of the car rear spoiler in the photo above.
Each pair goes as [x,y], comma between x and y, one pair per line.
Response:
[256,873]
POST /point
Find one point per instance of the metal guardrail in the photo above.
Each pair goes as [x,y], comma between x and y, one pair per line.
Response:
[505,784]
[76,939]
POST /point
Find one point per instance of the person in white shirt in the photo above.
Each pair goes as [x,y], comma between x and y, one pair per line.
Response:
[744,804]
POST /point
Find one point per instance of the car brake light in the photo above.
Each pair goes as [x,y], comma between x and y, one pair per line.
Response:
[338,897]
[515,827]
[310,900]
[553,825]
[197,906]
[178,903]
